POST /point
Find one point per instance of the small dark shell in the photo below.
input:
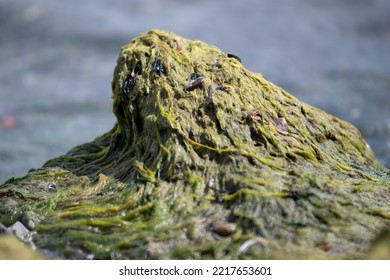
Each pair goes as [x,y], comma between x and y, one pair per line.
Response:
[51,187]
[193,76]
[158,67]
[234,56]
[221,88]
[223,229]
[128,84]
[130,80]
[194,84]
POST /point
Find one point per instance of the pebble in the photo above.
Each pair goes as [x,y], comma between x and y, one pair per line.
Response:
[20,231]
[223,229]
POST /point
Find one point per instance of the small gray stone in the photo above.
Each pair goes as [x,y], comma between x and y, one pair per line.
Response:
[20,231]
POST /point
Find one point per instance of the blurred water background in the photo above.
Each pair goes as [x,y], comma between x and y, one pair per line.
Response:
[57,60]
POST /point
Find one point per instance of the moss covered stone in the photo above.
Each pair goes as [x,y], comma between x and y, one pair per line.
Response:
[206,160]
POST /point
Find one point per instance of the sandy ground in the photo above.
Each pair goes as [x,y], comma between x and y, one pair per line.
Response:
[57,59]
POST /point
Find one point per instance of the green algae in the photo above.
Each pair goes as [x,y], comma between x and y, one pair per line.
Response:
[201,141]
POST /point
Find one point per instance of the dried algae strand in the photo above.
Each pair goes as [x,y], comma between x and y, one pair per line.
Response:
[206,160]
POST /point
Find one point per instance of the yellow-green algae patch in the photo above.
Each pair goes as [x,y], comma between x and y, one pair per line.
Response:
[206,160]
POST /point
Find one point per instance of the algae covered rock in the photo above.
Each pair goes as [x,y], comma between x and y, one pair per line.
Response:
[206,160]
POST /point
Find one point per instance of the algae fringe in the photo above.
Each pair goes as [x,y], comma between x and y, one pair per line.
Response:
[206,160]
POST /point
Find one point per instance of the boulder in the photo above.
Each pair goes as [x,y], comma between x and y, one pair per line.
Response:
[207,160]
